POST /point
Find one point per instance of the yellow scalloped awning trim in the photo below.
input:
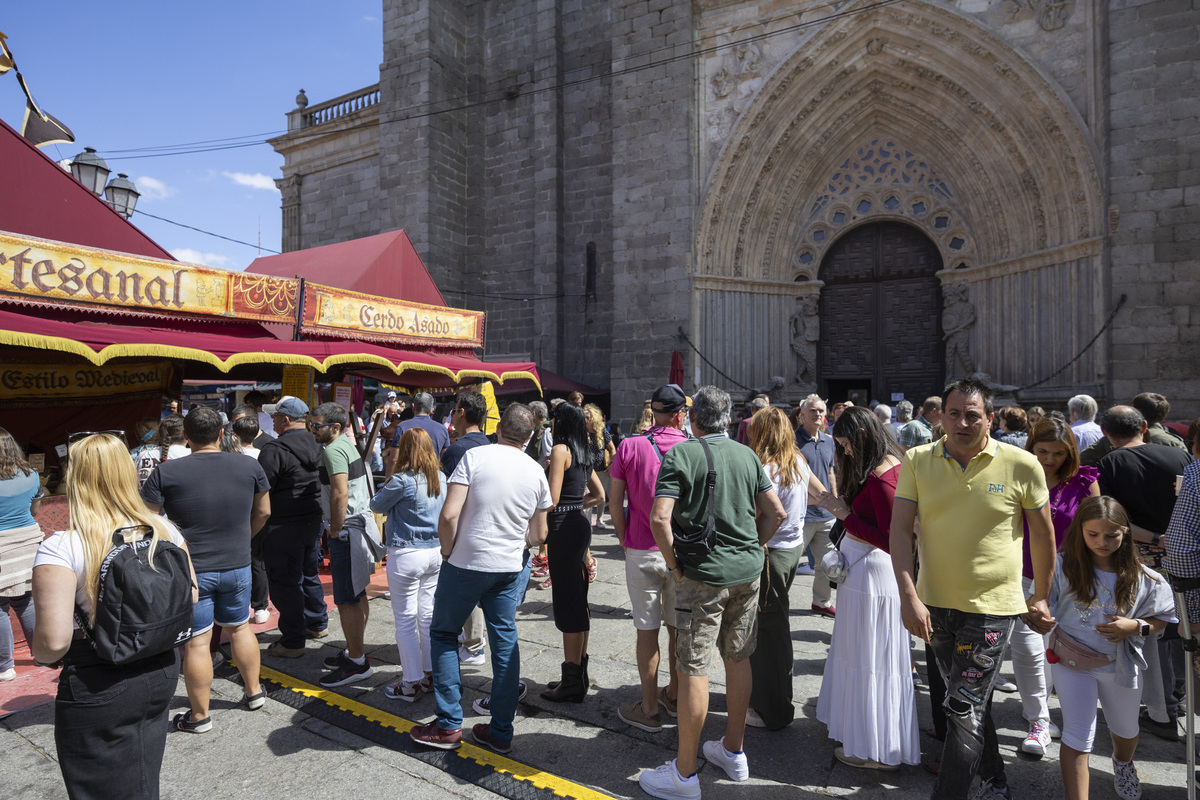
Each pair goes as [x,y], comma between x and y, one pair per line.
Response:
[43,342]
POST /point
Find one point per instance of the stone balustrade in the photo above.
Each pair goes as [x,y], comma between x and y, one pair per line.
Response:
[330,110]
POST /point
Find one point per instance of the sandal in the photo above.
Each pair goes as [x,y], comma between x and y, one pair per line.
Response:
[591,570]
[932,765]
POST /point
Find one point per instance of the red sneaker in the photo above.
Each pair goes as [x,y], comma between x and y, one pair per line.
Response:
[824,611]
[433,736]
[482,734]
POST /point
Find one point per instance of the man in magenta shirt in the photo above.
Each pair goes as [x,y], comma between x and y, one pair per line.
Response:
[634,472]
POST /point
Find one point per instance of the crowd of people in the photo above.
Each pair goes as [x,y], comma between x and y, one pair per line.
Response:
[987,534]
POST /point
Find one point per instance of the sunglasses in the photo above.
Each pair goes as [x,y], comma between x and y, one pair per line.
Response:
[319,425]
[72,438]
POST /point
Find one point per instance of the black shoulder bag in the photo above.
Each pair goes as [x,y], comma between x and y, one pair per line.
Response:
[692,546]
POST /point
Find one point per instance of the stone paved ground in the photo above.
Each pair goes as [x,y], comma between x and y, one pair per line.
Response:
[292,755]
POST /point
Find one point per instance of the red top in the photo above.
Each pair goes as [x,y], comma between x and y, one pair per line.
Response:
[870,517]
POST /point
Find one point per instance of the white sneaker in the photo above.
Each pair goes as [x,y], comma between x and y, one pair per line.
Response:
[465,656]
[735,764]
[1003,684]
[1055,731]
[1038,739]
[8,674]
[1125,778]
[753,719]
[261,615]
[666,782]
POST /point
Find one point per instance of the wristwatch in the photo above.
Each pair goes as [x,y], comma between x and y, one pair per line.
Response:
[1145,629]
[1157,540]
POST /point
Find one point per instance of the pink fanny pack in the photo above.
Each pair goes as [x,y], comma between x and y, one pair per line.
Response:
[1071,652]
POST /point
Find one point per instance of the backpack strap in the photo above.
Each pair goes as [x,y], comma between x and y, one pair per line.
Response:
[654,444]
[710,481]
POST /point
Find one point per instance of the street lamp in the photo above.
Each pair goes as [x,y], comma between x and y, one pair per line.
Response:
[122,195]
[90,170]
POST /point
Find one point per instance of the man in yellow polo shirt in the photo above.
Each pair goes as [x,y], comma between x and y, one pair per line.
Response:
[972,494]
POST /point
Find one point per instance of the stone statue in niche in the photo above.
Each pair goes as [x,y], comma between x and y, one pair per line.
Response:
[805,325]
[958,318]
[773,389]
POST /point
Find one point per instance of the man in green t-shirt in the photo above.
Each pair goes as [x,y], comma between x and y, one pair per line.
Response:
[345,492]
[716,594]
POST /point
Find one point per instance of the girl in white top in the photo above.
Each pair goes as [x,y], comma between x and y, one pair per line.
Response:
[1103,599]
[774,441]
[116,715]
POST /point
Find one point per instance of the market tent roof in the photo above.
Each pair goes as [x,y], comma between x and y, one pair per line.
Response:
[386,265]
[41,199]
[99,342]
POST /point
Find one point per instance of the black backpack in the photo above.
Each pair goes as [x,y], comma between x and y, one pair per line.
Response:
[141,610]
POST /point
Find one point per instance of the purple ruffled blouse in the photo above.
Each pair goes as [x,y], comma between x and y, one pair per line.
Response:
[1064,502]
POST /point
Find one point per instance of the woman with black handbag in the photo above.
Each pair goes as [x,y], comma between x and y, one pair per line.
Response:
[110,720]
[867,698]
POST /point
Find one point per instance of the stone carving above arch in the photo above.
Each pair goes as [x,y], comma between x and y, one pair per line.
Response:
[1006,156]
[882,180]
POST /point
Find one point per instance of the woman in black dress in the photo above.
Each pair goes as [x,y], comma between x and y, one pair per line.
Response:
[574,487]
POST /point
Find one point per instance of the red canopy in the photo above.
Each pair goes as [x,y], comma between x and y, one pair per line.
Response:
[41,199]
[99,342]
[386,265]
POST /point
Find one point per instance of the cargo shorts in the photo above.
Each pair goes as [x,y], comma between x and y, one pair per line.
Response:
[724,616]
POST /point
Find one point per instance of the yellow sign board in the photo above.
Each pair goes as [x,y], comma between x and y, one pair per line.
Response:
[340,312]
[57,381]
[40,271]
[297,382]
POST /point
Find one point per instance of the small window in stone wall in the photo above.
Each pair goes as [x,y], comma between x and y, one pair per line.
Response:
[839,218]
[864,206]
[806,258]
[818,236]
[941,222]
[956,243]
[891,203]
[919,208]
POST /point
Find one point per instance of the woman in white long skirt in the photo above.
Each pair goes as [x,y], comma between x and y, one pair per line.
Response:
[867,699]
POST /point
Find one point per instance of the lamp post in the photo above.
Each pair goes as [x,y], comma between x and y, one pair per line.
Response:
[121,194]
[90,170]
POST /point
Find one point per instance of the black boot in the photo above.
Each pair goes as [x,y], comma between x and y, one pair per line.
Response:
[587,681]
[571,688]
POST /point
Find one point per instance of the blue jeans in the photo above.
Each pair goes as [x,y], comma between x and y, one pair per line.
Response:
[458,592]
[969,649]
[23,605]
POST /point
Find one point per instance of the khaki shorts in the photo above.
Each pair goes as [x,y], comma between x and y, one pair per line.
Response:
[651,589]
[726,616]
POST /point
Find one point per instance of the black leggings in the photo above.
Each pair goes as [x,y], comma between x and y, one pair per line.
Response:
[566,547]
[110,725]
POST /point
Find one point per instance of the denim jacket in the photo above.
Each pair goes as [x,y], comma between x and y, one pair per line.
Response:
[412,515]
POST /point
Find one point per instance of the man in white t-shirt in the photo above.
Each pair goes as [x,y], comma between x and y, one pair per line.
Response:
[495,510]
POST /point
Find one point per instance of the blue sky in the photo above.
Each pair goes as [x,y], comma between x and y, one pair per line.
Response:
[128,76]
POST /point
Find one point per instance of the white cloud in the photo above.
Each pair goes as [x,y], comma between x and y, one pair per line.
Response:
[196,257]
[255,181]
[371,19]
[153,188]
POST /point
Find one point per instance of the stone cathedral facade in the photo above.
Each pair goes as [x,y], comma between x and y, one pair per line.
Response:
[858,198]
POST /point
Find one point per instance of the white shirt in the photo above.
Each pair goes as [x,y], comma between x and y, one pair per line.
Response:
[505,489]
[266,424]
[795,502]
[65,549]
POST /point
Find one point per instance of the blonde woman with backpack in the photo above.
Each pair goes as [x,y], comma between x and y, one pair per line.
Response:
[110,721]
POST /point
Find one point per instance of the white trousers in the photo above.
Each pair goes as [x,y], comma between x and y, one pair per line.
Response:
[412,575]
[1030,667]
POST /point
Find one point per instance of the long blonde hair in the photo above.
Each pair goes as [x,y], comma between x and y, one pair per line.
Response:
[102,496]
[775,443]
[595,424]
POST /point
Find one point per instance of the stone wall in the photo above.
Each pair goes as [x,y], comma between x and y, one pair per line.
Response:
[1154,164]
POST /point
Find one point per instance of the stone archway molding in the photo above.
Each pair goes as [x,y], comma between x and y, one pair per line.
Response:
[1013,153]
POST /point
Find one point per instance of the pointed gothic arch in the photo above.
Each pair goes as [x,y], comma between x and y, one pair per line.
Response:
[1016,197]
